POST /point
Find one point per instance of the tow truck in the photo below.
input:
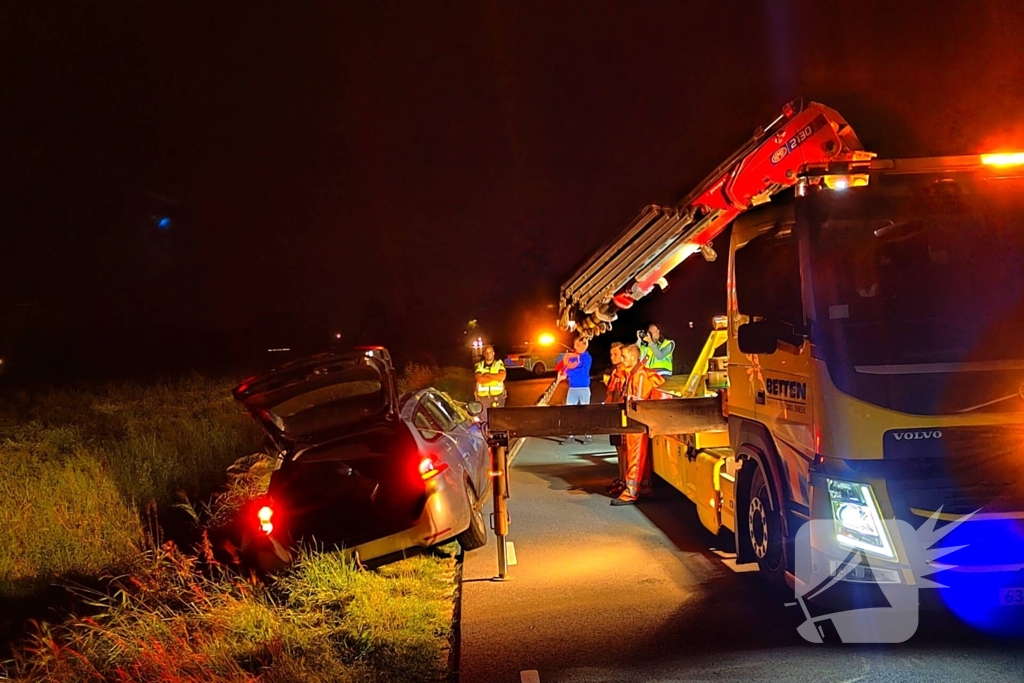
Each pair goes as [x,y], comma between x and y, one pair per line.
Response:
[870,362]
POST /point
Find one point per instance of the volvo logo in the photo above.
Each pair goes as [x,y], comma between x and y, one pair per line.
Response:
[918,434]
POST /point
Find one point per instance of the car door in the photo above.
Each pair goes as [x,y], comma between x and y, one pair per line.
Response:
[467,436]
[477,453]
[446,446]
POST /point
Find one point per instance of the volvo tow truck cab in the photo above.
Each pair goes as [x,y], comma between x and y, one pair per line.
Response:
[873,345]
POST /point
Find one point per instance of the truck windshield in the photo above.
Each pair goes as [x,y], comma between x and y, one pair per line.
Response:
[912,280]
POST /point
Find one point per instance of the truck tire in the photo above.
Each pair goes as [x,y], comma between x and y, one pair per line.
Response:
[766,531]
[475,535]
[538,368]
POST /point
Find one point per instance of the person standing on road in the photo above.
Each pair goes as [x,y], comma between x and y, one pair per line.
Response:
[655,351]
[490,382]
[575,368]
[615,383]
[641,382]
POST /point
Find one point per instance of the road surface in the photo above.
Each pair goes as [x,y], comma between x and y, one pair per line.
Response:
[639,594]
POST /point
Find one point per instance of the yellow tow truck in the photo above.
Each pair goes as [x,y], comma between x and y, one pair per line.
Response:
[870,362]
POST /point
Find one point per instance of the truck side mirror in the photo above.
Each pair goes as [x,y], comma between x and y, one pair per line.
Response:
[761,337]
[474,408]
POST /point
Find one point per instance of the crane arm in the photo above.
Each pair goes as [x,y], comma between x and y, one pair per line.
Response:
[660,238]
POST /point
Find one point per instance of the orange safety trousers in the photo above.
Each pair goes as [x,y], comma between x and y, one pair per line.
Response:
[638,466]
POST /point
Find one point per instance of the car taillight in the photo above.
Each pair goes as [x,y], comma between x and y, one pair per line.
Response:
[265,513]
[430,467]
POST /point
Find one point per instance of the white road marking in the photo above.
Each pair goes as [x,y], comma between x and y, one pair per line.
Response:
[729,560]
[531,676]
[510,553]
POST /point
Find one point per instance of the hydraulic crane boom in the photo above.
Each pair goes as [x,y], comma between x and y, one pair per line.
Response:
[660,238]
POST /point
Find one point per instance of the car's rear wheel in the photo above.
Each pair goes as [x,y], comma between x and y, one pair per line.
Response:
[538,368]
[475,536]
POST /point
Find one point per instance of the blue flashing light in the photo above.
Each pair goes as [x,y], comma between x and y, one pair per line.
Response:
[987,601]
[164,223]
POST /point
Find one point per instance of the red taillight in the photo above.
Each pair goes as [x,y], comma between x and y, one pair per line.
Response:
[264,516]
[430,467]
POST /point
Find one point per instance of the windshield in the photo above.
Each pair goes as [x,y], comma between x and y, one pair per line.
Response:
[909,280]
[919,283]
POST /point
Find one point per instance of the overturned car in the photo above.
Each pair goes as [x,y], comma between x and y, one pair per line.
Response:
[357,467]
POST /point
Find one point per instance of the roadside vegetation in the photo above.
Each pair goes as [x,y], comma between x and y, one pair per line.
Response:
[84,472]
[180,618]
[455,381]
[86,475]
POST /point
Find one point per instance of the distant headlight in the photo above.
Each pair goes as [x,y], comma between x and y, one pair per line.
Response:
[859,524]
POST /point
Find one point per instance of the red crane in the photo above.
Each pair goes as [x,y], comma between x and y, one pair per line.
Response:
[660,238]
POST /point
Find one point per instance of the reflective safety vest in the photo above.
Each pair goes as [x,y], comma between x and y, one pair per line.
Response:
[494,387]
[659,365]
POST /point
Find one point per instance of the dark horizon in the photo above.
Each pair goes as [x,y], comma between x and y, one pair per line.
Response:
[340,170]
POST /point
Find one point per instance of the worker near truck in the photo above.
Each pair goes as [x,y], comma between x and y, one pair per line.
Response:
[656,351]
[641,381]
[615,383]
[574,368]
[490,382]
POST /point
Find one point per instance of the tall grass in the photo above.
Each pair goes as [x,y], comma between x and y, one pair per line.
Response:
[456,381]
[79,466]
[180,618]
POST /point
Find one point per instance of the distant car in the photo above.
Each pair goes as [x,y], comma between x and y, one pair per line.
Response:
[535,359]
[357,467]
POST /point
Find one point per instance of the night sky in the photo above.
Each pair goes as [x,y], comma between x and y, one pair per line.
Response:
[379,167]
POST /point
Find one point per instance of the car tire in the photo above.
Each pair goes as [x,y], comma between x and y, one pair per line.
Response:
[475,536]
[539,369]
[766,531]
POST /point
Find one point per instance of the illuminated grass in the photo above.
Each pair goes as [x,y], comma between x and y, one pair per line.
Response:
[78,467]
[322,621]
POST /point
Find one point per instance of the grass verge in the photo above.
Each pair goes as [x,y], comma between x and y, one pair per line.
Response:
[182,618]
[79,468]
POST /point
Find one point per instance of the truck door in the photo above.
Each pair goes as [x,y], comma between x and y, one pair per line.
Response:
[769,289]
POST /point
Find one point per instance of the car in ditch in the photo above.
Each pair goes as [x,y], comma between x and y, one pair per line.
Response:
[360,468]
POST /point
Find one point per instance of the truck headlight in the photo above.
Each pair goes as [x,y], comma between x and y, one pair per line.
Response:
[858,522]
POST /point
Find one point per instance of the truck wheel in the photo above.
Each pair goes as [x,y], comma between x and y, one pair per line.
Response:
[764,526]
[538,368]
[475,536]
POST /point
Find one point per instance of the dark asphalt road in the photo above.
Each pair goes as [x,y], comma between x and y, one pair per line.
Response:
[639,594]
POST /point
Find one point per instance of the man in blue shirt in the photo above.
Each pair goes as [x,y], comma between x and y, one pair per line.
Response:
[575,368]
